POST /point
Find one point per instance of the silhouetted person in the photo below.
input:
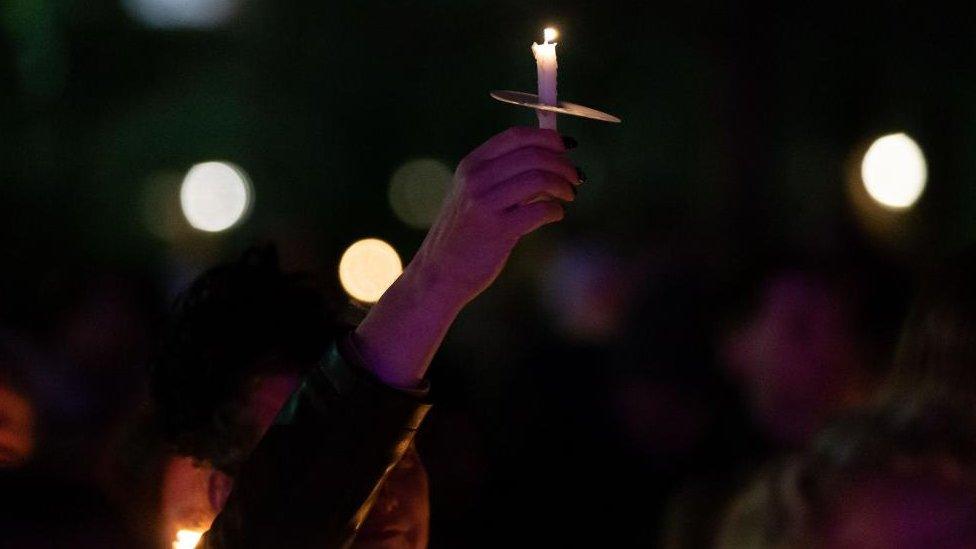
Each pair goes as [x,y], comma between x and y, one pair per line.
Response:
[901,472]
[350,402]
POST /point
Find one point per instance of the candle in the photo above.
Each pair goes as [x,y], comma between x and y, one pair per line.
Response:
[545,60]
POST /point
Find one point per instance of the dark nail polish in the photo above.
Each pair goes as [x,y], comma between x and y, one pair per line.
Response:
[582,174]
[569,142]
[575,190]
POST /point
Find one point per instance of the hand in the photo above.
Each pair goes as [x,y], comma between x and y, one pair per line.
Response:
[505,189]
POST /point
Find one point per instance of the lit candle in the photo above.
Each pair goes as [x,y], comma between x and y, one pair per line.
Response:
[545,60]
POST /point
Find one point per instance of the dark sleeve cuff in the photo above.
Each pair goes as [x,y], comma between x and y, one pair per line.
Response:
[315,474]
[343,368]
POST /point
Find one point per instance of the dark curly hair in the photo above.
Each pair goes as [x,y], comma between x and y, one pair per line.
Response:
[236,322]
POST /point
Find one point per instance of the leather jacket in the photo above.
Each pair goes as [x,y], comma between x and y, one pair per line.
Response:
[313,477]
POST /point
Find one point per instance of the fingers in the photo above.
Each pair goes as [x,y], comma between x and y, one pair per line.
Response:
[523,160]
[523,187]
[522,174]
[525,219]
[516,138]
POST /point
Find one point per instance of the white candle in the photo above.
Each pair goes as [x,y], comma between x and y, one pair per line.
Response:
[545,60]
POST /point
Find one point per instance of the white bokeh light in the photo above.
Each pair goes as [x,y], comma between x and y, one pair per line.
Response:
[894,171]
[368,268]
[417,189]
[215,196]
[193,14]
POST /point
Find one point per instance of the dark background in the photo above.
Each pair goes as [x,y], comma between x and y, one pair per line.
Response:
[743,126]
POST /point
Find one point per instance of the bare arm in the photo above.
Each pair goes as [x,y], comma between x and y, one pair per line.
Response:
[494,203]
[313,478]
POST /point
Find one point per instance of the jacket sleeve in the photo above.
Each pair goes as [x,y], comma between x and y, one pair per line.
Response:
[313,477]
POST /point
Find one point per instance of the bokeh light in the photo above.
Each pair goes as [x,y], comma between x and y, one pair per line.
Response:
[894,171]
[215,196]
[417,189]
[187,539]
[368,268]
[17,431]
[193,14]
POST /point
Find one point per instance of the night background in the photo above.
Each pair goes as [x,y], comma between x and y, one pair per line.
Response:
[618,383]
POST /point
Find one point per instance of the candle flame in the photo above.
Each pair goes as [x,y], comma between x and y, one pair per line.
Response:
[187,539]
[550,34]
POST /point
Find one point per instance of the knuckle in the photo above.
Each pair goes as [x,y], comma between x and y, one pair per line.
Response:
[540,211]
[513,133]
[536,176]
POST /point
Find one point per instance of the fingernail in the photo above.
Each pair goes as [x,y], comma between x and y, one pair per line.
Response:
[569,142]
[575,190]
[582,174]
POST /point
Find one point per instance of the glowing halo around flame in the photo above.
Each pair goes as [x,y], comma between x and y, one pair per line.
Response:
[187,539]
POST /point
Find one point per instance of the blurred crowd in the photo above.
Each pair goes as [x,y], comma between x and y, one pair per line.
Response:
[730,341]
[646,405]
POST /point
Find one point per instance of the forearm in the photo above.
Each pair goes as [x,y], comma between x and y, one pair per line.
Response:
[492,205]
[402,332]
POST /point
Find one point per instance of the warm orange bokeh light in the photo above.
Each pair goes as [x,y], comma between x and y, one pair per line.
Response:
[368,268]
[187,539]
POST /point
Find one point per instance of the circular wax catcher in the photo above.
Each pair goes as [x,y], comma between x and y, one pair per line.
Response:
[531,101]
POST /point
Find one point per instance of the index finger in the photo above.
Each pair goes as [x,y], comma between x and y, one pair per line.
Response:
[516,138]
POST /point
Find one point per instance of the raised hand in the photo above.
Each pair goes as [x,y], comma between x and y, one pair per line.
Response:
[508,187]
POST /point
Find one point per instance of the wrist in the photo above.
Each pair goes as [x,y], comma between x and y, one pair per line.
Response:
[403,330]
[433,284]
[350,349]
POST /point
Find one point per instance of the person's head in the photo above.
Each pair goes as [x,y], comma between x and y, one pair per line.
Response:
[797,355]
[880,478]
[241,338]
[193,493]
